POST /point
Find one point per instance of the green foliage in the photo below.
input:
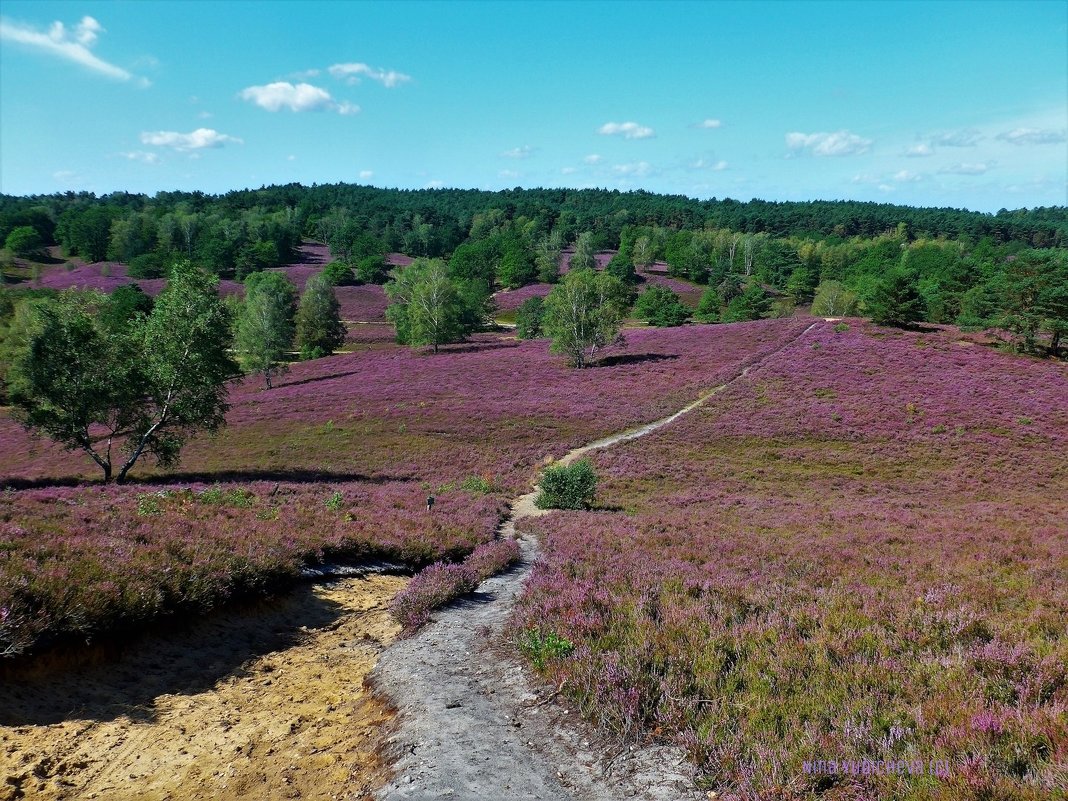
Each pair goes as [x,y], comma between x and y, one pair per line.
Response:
[372,269]
[319,330]
[543,647]
[584,312]
[24,241]
[1035,297]
[529,318]
[622,268]
[146,388]
[547,252]
[265,326]
[567,486]
[147,265]
[894,299]
[429,308]
[517,267]
[753,304]
[339,273]
[661,307]
[584,256]
[708,307]
[478,485]
[125,305]
[834,300]
[335,502]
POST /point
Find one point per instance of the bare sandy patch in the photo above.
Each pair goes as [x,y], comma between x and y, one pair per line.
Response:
[265,701]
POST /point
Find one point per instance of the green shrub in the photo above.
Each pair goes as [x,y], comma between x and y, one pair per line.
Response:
[528,319]
[477,485]
[567,486]
[335,502]
[339,273]
[542,647]
[661,307]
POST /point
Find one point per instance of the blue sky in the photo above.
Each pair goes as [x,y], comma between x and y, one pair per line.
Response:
[961,104]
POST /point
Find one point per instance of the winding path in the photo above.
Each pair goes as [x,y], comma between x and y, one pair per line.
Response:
[472,726]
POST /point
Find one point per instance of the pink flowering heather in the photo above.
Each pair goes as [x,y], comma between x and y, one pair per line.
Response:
[856,552]
[383,426]
[441,582]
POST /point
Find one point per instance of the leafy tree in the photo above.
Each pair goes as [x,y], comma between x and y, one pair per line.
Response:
[529,318]
[583,313]
[318,324]
[24,241]
[372,269]
[623,269]
[584,257]
[427,308]
[894,299]
[517,266]
[265,324]
[339,273]
[547,252]
[752,304]
[708,306]
[147,265]
[125,305]
[661,307]
[833,299]
[801,285]
[1035,297]
[147,389]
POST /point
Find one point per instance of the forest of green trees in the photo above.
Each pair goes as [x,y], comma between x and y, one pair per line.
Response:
[896,264]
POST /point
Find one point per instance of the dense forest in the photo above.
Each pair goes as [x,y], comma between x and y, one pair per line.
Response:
[936,265]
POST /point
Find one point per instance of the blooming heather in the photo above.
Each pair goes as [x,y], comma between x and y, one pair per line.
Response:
[856,552]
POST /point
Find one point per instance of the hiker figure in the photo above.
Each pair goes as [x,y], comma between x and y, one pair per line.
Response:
[429,502]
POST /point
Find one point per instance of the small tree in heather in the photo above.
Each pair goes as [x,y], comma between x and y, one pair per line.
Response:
[584,257]
[528,320]
[567,486]
[661,307]
[427,307]
[752,304]
[24,241]
[583,313]
[318,326]
[265,328]
[145,389]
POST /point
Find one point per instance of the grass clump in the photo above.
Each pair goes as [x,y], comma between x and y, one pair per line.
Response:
[568,486]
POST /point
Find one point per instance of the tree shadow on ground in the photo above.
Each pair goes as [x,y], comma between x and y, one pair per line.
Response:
[634,358]
[288,476]
[477,347]
[125,675]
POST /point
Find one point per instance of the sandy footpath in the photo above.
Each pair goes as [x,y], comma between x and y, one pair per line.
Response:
[260,702]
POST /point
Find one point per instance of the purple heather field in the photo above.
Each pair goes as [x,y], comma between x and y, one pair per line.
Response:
[336,460]
[858,552]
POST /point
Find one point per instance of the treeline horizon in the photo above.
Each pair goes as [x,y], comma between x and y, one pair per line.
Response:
[391,214]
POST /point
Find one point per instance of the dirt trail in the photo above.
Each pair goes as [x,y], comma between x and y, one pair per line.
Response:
[472,726]
[260,702]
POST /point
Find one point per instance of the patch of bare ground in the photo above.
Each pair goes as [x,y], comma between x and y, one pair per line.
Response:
[264,701]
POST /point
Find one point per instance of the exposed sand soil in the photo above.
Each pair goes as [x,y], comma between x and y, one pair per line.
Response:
[263,701]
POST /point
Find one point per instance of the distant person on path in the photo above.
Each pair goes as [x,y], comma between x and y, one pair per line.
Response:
[429,503]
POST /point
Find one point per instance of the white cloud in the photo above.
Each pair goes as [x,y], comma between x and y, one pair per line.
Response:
[295,97]
[593,158]
[508,174]
[434,185]
[568,170]
[886,188]
[967,137]
[291,157]
[629,130]
[965,168]
[205,115]
[708,164]
[144,156]
[72,45]
[1033,136]
[864,178]
[839,143]
[902,176]
[200,139]
[709,123]
[922,150]
[518,152]
[366,175]
[352,72]
[639,169]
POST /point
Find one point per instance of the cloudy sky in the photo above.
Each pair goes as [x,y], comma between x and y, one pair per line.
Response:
[961,104]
